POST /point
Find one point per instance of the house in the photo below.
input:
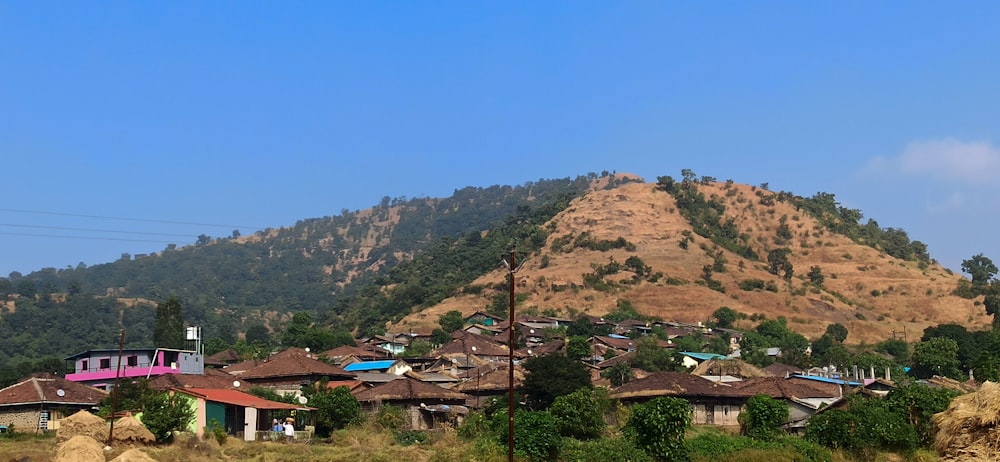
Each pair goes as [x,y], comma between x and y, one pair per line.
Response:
[373,372]
[212,378]
[98,368]
[483,318]
[691,359]
[600,344]
[804,398]
[240,414]
[426,406]
[465,343]
[223,358]
[288,370]
[385,366]
[487,382]
[363,352]
[728,367]
[711,403]
[39,402]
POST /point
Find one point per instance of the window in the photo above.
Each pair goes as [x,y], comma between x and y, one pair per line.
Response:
[106,363]
[84,365]
[132,361]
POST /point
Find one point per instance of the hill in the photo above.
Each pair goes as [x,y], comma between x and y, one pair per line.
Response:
[863,288]
[677,250]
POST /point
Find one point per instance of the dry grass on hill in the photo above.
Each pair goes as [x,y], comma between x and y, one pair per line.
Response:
[866,290]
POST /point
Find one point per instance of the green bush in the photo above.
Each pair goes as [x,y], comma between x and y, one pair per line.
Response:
[763,417]
[536,434]
[164,414]
[658,427]
[390,417]
[714,446]
[601,450]
[580,414]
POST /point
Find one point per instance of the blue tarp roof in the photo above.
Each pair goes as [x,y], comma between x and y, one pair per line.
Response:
[702,356]
[827,380]
[369,365]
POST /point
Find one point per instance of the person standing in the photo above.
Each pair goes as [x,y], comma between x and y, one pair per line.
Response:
[289,431]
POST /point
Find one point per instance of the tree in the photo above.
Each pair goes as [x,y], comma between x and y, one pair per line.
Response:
[580,414]
[778,263]
[658,427]
[991,301]
[816,275]
[981,269]
[335,409]
[169,329]
[578,348]
[725,317]
[451,321]
[166,413]
[551,376]
[619,374]
[837,332]
[937,356]
[763,417]
[536,434]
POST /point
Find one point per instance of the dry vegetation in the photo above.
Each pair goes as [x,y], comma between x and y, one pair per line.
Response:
[866,290]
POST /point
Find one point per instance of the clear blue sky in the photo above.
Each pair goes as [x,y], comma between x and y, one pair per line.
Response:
[258,114]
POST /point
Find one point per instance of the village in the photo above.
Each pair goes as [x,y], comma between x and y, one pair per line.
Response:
[436,389]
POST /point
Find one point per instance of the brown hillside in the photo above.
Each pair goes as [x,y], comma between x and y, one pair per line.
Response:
[868,291]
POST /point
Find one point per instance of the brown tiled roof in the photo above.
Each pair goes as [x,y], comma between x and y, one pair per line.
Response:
[362,351]
[462,342]
[623,344]
[405,388]
[492,380]
[733,367]
[212,378]
[227,356]
[779,387]
[622,358]
[783,370]
[674,384]
[294,362]
[551,346]
[44,388]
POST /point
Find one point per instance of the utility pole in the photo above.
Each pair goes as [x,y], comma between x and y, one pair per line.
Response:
[114,397]
[512,268]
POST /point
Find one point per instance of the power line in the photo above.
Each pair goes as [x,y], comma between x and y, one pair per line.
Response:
[95,230]
[64,236]
[146,220]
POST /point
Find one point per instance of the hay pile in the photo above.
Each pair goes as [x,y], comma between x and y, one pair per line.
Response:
[82,423]
[80,448]
[128,429]
[133,455]
[968,430]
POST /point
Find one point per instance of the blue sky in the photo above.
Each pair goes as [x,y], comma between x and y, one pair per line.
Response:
[193,118]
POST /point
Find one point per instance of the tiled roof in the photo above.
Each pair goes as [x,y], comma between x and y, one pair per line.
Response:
[783,370]
[674,384]
[463,342]
[778,387]
[623,344]
[45,388]
[212,378]
[363,351]
[294,362]
[492,380]
[405,388]
[238,398]
[223,357]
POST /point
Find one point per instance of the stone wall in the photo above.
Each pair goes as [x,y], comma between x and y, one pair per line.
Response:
[22,420]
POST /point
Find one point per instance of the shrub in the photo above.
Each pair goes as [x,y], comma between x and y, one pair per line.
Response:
[536,434]
[390,417]
[580,414]
[658,427]
[164,414]
[752,284]
[763,417]
[602,450]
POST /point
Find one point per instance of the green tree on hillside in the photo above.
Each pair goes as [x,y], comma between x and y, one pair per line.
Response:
[169,329]
[981,269]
